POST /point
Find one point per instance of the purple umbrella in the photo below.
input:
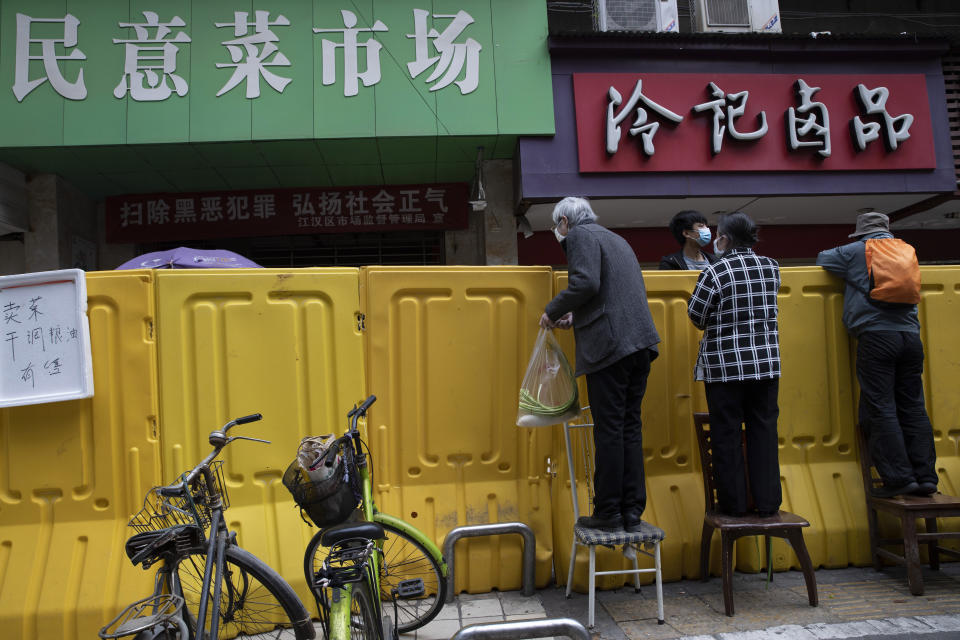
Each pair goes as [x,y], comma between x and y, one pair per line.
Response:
[187,258]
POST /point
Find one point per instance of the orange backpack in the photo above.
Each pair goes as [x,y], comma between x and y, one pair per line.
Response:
[893,272]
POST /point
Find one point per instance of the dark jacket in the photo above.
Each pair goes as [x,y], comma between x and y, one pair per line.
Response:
[859,315]
[675,261]
[605,292]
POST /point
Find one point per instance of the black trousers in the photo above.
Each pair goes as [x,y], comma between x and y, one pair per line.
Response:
[892,411]
[752,403]
[615,395]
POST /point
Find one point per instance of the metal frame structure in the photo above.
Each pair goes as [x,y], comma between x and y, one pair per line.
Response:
[498,528]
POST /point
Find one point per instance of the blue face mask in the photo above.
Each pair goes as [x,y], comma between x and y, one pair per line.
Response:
[704,236]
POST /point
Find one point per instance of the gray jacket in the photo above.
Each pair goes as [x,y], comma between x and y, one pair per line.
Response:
[605,291]
[859,315]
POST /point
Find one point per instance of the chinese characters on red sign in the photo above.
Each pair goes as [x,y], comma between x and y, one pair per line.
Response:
[186,216]
[752,122]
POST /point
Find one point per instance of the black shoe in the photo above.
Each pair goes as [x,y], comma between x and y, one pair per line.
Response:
[613,523]
[632,522]
[767,513]
[926,489]
[888,492]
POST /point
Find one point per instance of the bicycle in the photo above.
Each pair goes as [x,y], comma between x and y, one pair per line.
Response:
[181,526]
[400,562]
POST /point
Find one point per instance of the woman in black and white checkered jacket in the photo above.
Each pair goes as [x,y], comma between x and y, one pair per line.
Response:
[735,303]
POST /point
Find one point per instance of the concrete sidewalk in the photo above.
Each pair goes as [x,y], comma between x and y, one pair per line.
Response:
[693,609]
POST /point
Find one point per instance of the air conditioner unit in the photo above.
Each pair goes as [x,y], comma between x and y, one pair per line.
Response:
[637,15]
[736,16]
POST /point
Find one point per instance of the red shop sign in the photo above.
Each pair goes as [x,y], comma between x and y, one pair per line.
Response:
[752,122]
[277,212]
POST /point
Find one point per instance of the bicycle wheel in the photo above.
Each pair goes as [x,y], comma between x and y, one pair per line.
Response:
[254,599]
[364,624]
[404,558]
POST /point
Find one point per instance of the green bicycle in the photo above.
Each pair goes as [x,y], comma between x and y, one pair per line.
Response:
[375,574]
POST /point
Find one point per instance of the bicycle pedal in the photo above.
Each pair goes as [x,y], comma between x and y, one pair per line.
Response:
[412,588]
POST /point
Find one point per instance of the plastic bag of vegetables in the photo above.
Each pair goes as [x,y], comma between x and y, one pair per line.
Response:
[548,394]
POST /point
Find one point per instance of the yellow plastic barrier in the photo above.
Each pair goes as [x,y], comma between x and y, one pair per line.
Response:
[819,468]
[939,312]
[444,349]
[286,344]
[71,473]
[447,348]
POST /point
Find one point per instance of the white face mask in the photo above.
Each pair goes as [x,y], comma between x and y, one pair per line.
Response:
[556,231]
[716,247]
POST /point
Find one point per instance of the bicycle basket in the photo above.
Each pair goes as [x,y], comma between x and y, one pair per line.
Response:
[192,507]
[328,498]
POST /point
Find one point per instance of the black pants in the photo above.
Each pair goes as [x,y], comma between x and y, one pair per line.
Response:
[892,411]
[615,396]
[752,403]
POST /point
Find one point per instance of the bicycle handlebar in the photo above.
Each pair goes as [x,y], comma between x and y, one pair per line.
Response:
[362,409]
[218,438]
[356,412]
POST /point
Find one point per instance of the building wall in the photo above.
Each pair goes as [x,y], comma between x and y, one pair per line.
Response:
[61,229]
[13,219]
[41,242]
[940,17]
[76,228]
[491,238]
[500,230]
[12,255]
[112,254]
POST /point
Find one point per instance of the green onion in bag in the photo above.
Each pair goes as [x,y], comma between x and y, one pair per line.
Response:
[548,393]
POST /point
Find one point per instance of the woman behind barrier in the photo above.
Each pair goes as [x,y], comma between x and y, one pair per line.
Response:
[735,303]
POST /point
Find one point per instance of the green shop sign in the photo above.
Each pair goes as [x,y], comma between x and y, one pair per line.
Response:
[136,72]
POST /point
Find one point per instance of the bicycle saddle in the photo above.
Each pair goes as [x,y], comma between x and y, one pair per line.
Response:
[347,530]
[148,546]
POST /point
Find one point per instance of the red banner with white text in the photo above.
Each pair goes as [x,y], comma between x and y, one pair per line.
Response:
[277,212]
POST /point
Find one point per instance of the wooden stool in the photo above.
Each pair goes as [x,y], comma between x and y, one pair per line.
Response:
[908,509]
[781,525]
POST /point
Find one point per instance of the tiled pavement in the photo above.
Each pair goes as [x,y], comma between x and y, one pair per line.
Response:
[693,608]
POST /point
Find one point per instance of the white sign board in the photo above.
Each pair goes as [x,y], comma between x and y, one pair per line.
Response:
[44,338]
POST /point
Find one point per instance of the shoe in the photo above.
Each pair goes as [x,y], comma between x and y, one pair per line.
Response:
[766,513]
[888,492]
[613,523]
[926,489]
[632,523]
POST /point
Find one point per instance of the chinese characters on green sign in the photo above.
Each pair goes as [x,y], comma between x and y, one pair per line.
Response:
[150,57]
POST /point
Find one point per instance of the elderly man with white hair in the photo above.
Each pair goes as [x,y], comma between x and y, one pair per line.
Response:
[606,303]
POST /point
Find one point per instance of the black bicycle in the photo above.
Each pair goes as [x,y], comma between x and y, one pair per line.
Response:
[204,580]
